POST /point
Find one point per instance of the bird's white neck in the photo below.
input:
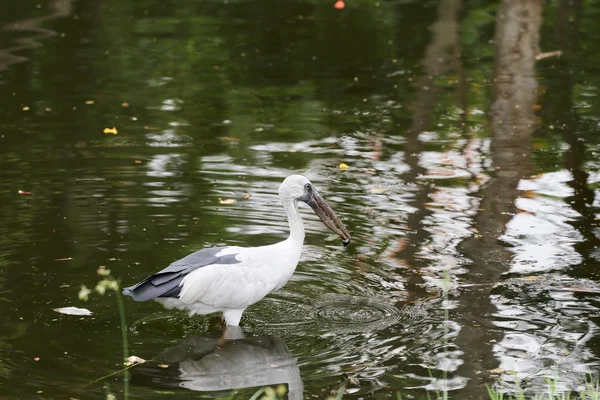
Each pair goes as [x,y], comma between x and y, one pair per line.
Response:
[295,220]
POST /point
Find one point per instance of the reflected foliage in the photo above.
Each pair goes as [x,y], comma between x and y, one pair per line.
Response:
[468,157]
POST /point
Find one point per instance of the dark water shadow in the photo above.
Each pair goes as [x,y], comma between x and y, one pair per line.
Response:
[33,27]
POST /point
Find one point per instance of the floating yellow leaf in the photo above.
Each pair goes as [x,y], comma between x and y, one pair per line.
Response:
[89,102]
[531,278]
[343,166]
[112,130]
[124,104]
[163,365]
[25,108]
[226,201]
[138,161]
[246,196]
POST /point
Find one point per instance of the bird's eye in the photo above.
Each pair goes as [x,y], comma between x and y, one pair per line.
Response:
[307,186]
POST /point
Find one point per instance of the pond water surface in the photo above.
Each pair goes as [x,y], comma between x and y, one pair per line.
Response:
[472,192]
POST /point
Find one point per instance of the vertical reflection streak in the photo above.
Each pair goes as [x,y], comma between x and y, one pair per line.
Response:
[514,92]
[441,57]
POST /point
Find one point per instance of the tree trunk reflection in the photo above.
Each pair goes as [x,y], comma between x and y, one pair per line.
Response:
[512,122]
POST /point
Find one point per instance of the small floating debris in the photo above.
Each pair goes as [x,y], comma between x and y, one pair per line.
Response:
[548,54]
[226,201]
[73,311]
[343,166]
[229,139]
[112,130]
[378,190]
[133,360]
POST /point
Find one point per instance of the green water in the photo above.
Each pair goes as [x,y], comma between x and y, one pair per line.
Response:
[473,170]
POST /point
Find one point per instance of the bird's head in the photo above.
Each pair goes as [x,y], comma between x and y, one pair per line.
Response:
[297,187]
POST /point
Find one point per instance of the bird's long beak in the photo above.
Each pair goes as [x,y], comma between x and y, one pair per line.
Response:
[327,215]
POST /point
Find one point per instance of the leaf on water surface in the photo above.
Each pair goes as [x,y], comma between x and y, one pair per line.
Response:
[226,201]
[25,108]
[339,5]
[246,196]
[124,104]
[378,190]
[112,130]
[89,102]
[498,371]
[343,166]
[138,161]
[133,360]
[73,311]
[23,192]
[229,139]
[531,278]
[150,128]
[163,365]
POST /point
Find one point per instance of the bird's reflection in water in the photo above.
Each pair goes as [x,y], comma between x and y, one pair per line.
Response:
[208,364]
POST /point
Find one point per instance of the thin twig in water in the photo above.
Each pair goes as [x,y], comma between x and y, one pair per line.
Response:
[109,375]
[548,54]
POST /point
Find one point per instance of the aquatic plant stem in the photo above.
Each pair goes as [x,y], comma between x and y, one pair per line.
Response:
[447,282]
[124,342]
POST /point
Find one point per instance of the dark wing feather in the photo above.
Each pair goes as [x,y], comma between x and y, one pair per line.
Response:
[166,283]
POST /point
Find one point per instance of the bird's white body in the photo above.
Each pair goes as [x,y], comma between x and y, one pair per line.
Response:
[231,289]
[230,279]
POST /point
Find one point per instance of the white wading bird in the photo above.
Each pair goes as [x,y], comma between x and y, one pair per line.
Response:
[230,279]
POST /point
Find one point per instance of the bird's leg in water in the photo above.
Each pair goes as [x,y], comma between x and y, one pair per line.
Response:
[231,333]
